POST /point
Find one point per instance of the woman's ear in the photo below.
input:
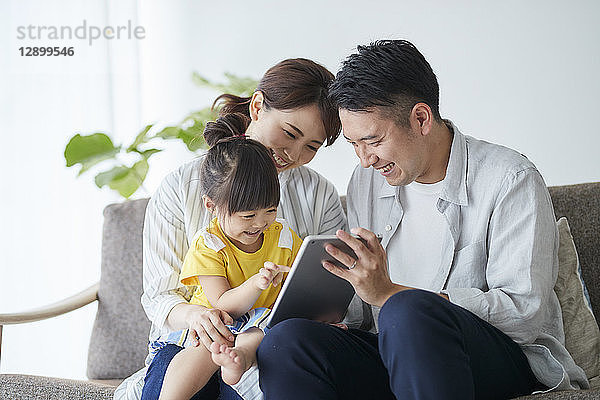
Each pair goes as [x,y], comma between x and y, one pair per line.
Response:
[256,104]
[208,203]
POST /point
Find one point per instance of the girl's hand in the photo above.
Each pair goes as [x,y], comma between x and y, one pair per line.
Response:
[270,273]
[207,325]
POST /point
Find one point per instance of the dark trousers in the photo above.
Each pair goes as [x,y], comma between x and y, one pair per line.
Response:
[427,348]
[214,389]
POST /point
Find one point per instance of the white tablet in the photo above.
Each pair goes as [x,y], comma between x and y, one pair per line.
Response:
[310,291]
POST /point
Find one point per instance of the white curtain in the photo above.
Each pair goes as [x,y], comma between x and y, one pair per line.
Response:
[50,221]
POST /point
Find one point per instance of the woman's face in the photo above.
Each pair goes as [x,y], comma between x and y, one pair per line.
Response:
[292,136]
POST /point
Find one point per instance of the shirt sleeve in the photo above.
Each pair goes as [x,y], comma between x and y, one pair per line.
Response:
[333,214]
[311,204]
[351,195]
[356,316]
[200,260]
[522,262]
[164,245]
[295,246]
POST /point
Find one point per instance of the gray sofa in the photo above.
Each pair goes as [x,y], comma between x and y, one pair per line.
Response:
[118,342]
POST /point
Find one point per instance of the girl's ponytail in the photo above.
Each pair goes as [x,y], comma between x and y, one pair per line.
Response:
[228,125]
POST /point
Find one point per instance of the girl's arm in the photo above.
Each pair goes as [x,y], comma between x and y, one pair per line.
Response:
[235,301]
[239,300]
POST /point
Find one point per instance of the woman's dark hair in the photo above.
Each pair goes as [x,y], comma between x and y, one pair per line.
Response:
[237,173]
[389,74]
[291,84]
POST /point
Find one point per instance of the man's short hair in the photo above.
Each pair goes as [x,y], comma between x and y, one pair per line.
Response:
[391,75]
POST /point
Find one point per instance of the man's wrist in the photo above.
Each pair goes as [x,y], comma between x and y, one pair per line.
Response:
[392,290]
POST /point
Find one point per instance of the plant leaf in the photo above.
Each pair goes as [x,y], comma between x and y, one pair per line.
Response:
[115,173]
[239,86]
[148,153]
[125,180]
[201,81]
[141,137]
[193,136]
[140,169]
[191,129]
[170,132]
[89,150]
[205,114]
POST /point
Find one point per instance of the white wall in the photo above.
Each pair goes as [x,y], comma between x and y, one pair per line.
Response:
[523,74]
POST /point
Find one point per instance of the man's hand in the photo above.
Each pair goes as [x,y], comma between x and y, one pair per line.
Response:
[270,273]
[207,325]
[368,274]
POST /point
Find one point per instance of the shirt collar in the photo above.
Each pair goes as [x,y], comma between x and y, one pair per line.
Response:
[455,187]
[387,190]
[284,176]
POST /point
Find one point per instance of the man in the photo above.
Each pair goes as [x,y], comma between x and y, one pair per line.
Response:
[464,274]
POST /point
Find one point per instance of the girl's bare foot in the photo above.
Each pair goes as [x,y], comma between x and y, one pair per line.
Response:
[233,362]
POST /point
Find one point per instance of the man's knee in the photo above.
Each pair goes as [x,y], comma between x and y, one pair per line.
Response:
[287,336]
[410,311]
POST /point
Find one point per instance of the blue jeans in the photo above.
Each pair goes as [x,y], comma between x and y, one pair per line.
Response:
[214,389]
[427,348]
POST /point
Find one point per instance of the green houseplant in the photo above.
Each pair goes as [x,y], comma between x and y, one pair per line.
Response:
[126,177]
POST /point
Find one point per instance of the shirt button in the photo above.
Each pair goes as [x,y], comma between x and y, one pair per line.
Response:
[388,228]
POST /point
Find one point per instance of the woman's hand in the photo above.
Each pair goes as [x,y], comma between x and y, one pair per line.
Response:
[270,273]
[209,326]
[206,325]
[368,274]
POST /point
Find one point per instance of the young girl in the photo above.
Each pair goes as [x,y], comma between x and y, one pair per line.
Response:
[237,263]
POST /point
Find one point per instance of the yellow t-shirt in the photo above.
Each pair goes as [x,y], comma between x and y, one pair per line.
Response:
[212,253]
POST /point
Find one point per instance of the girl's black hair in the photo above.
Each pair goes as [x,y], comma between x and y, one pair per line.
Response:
[238,173]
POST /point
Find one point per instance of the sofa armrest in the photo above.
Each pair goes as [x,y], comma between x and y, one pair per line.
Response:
[64,306]
[61,307]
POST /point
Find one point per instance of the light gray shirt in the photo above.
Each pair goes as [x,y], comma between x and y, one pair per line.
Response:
[499,257]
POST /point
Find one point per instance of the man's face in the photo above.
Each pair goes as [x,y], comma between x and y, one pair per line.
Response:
[399,154]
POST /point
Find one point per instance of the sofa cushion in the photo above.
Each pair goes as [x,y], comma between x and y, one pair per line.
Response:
[582,336]
[118,344]
[565,395]
[581,205]
[30,387]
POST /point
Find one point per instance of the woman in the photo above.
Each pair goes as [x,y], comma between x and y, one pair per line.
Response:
[291,115]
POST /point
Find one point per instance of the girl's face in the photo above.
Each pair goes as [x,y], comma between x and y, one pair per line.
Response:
[291,136]
[245,228]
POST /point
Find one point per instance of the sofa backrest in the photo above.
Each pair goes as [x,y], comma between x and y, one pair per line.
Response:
[119,342]
[118,345]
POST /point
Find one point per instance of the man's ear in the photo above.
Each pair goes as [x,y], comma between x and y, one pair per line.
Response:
[421,118]
[256,104]
[208,203]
